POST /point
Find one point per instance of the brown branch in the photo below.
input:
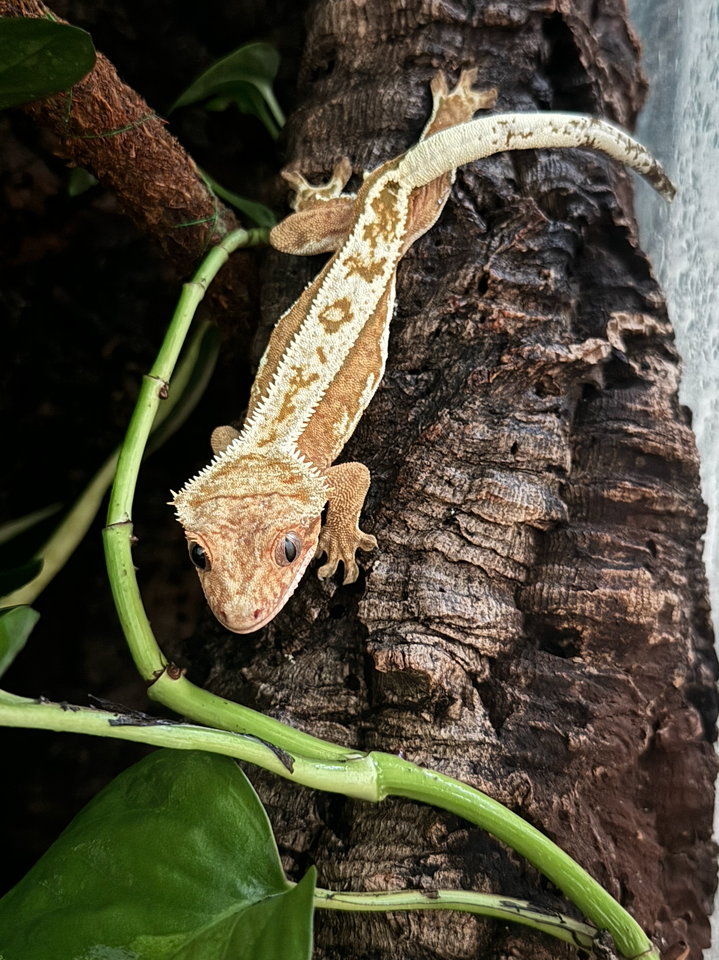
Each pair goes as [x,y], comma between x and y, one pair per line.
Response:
[105,126]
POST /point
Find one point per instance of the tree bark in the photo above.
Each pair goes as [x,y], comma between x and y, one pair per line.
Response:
[535,618]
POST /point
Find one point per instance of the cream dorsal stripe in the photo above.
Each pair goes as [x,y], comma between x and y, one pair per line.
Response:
[300,373]
[482,138]
[340,310]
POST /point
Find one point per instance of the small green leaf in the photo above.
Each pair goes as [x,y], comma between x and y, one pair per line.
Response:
[247,99]
[174,860]
[257,212]
[15,627]
[39,57]
[243,77]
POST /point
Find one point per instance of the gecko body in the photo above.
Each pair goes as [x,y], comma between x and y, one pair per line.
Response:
[252,517]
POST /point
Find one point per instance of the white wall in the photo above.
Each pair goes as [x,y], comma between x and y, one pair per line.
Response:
[680,125]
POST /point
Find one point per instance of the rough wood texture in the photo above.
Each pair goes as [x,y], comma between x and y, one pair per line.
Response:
[535,619]
[109,129]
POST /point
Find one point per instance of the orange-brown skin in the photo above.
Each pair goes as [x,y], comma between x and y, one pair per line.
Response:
[253,516]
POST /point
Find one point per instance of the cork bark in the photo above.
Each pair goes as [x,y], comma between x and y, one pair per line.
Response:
[535,618]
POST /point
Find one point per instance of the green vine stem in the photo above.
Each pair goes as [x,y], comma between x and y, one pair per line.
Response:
[268,743]
[155,385]
[21,712]
[373,777]
[171,688]
[487,905]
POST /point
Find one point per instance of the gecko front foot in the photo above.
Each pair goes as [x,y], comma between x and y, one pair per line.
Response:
[341,536]
[342,545]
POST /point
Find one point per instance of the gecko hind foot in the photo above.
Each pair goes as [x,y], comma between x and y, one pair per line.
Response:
[307,194]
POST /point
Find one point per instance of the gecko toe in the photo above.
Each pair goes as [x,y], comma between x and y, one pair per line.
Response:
[351,572]
[327,569]
[344,553]
[367,542]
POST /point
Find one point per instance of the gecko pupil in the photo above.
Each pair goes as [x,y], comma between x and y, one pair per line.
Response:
[198,556]
[287,549]
[290,549]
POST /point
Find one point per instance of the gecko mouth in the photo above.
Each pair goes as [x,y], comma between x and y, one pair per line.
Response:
[258,624]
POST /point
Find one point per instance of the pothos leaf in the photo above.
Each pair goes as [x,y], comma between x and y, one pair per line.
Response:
[39,57]
[243,77]
[174,859]
[16,626]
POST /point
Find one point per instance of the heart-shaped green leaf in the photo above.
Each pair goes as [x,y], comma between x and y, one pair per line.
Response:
[39,57]
[174,860]
[15,627]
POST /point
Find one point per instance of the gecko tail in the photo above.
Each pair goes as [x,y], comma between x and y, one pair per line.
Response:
[477,139]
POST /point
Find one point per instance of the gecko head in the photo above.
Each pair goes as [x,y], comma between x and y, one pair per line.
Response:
[252,524]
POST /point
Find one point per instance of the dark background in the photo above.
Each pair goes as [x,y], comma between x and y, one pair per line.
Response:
[84,302]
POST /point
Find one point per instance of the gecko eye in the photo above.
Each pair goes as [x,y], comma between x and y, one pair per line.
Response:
[287,549]
[198,556]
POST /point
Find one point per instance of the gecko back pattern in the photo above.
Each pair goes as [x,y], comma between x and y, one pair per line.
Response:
[253,516]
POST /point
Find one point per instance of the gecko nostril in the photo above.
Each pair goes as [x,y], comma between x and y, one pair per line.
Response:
[257,614]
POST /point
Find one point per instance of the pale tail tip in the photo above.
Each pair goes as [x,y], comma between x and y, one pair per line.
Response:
[666,188]
[661,183]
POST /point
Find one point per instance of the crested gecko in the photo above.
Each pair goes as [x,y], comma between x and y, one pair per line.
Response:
[253,516]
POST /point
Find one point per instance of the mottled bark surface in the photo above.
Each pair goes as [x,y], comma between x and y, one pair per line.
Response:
[534,620]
